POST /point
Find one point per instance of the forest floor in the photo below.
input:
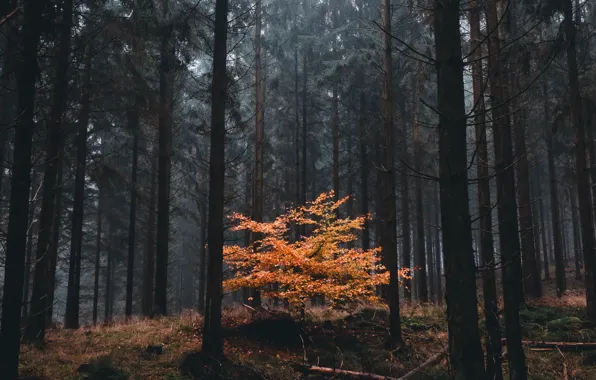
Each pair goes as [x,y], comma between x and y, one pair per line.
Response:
[267,347]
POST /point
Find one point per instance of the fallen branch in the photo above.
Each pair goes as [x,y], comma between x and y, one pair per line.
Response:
[429,363]
[371,376]
[563,346]
[565,376]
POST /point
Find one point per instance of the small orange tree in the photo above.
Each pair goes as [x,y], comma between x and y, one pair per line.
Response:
[319,264]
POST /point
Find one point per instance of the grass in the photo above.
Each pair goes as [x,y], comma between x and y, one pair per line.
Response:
[267,347]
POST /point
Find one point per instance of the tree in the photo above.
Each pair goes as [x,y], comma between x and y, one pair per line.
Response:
[19,190]
[386,175]
[212,338]
[507,205]
[318,265]
[166,84]
[583,174]
[489,286]
[465,351]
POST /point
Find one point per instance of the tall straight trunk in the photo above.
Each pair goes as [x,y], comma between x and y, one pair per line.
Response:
[420,273]
[405,201]
[35,330]
[437,240]
[516,68]
[202,256]
[507,203]
[364,210]
[429,245]
[134,123]
[543,233]
[349,180]
[149,261]
[335,132]
[576,234]
[7,83]
[386,173]
[564,232]
[16,240]
[71,319]
[257,204]
[212,334]
[53,253]
[29,257]
[589,113]
[557,246]
[97,253]
[304,128]
[465,351]
[534,179]
[109,279]
[165,167]
[489,287]
[297,135]
[583,176]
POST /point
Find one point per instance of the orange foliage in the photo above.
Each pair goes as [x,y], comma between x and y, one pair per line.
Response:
[320,264]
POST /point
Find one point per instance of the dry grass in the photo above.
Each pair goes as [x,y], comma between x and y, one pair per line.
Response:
[353,341]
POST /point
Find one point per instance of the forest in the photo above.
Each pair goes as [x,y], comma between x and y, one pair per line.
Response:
[298,189]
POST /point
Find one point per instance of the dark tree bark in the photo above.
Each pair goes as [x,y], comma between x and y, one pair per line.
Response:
[257,204]
[386,173]
[428,234]
[74,276]
[57,222]
[16,241]
[165,168]
[420,273]
[212,334]
[583,175]
[405,201]
[297,133]
[507,203]
[35,330]
[364,210]
[134,123]
[489,287]
[557,246]
[576,234]
[98,238]
[202,256]
[465,351]
[149,261]
[29,257]
[437,241]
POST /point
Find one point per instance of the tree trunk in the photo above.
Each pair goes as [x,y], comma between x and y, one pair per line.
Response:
[388,232]
[507,204]
[364,210]
[149,262]
[134,123]
[297,136]
[97,252]
[165,167]
[576,234]
[429,246]
[420,273]
[71,319]
[109,280]
[29,257]
[257,204]
[202,256]
[557,246]
[405,202]
[465,351]
[489,287]
[16,240]
[53,253]
[583,176]
[437,239]
[335,132]
[212,334]
[35,330]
